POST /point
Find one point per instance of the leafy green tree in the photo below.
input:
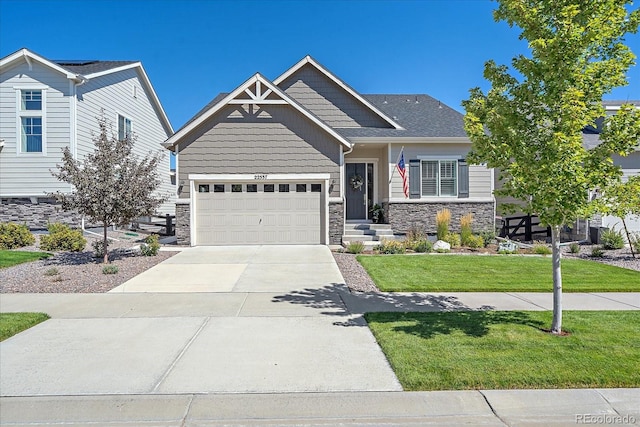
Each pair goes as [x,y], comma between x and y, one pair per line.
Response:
[110,186]
[529,124]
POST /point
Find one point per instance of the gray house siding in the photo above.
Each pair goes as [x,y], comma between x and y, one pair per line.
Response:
[328,101]
[27,174]
[275,139]
[114,93]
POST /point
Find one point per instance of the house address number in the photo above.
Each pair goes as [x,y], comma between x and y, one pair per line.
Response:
[261,177]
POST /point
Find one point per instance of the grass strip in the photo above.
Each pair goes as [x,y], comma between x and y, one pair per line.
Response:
[478,273]
[14,323]
[509,349]
[10,258]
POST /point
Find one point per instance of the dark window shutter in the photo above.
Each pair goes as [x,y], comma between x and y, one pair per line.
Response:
[463,179]
[414,179]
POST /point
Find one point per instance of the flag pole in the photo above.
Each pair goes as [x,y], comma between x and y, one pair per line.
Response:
[395,165]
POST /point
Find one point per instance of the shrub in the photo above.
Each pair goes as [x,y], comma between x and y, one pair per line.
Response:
[98,248]
[355,247]
[542,250]
[574,248]
[15,236]
[416,232]
[391,247]
[52,272]
[474,241]
[62,238]
[443,218]
[597,252]
[110,269]
[635,242]
[151,246]
[612,239]
[422,246]
[488,237]
[453,239]
[465,228]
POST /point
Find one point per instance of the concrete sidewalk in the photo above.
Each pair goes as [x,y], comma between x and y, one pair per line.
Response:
[331,300]
[437,408]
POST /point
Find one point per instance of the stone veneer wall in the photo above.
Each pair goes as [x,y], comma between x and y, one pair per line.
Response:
[183,224]
[401,216]
[36,215]
[336,222]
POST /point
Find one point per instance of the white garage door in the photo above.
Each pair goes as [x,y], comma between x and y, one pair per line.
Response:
[264,213]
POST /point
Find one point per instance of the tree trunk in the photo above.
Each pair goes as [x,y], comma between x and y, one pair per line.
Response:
[105,243]
[626,230]
[556,324]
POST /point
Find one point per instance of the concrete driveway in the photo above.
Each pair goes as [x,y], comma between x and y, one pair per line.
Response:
[253,319]
[240,269]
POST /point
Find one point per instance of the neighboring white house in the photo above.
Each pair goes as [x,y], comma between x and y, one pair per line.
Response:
[48,105]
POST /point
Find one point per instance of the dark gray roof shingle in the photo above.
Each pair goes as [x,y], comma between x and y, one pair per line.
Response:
[419,115]
[91,66]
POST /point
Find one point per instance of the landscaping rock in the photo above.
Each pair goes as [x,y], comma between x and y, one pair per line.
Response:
[441,245]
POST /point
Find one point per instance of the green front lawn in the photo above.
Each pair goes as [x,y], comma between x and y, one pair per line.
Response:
[13,323]
[479,273]
[508,349]
[11,258]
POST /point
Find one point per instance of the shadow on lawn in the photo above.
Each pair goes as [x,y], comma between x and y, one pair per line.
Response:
[471,323]
[336,300]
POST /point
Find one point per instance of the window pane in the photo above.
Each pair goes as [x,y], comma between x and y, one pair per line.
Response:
[301,188]
[31,134]
[429,178]
[252,188]
[448,185]
[203,188]
[31,100]
[316,188]
[236,188]
[121,131]
[283,188]
[269,188]
[218,188]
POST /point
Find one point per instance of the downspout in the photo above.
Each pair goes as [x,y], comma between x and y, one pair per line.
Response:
[79,80]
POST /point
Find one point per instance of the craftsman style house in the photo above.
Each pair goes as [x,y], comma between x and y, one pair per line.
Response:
[48,105]
[298,159]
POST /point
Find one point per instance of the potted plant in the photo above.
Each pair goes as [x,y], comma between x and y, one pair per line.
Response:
[377,214]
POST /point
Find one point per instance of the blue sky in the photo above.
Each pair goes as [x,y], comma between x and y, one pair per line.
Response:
[194,49]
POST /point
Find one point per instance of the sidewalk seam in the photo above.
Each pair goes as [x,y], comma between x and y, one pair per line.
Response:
[184,350]
[246,295]
[492,409]
[525,300]
[614,300]
[608,403]
[186,412]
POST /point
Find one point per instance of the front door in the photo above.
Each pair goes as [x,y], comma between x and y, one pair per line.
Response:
[359,190]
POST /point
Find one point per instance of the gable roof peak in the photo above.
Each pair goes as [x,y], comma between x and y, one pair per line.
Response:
[308,59]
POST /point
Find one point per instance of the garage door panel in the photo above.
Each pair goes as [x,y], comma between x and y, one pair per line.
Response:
[258,217]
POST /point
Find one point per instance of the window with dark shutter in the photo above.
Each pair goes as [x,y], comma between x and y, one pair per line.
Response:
[414,179]
[463,179]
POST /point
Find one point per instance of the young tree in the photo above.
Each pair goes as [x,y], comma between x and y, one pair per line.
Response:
[529,124]
[110,186]
[623,199]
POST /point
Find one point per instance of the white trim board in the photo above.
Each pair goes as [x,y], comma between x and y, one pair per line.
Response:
[252,177]
[255,79]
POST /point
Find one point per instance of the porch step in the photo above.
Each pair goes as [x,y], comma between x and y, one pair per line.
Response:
[366,232]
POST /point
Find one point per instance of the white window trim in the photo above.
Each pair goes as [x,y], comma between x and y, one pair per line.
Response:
[439,159]
[31,113]
[126,117]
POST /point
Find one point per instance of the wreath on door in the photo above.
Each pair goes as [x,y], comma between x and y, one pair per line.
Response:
[356,182]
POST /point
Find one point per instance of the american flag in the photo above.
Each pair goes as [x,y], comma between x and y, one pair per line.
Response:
[402,169]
